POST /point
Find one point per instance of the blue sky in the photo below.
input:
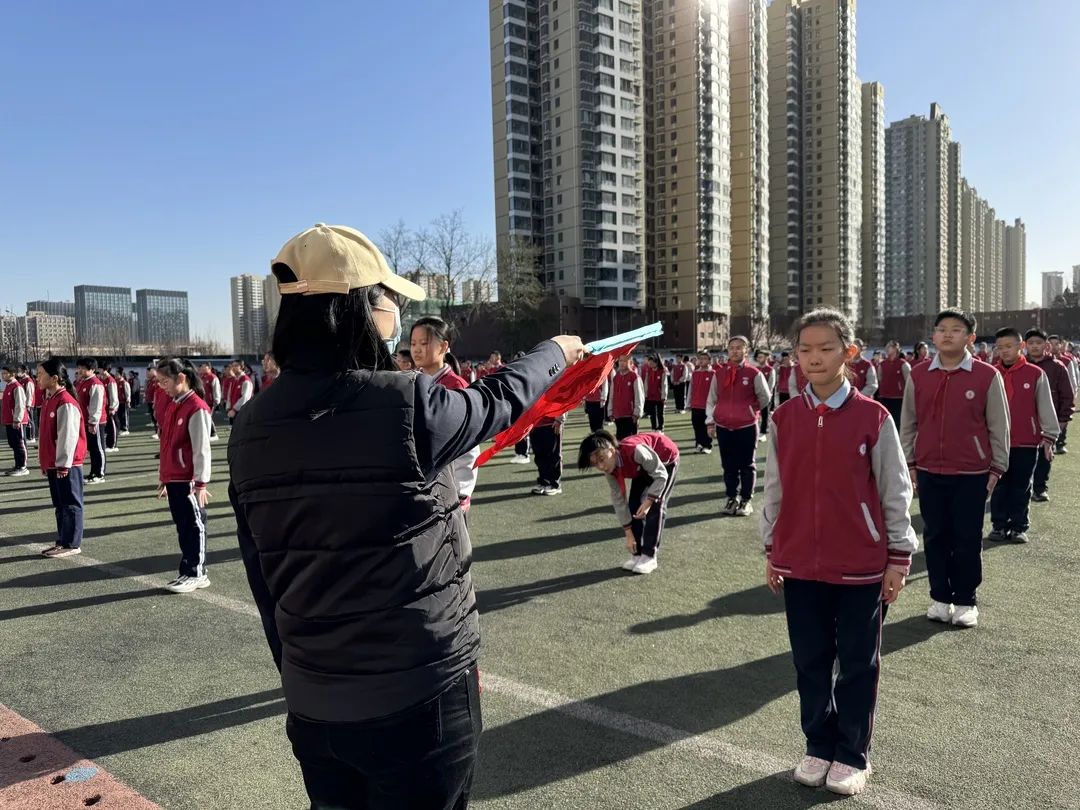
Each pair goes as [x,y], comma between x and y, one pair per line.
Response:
[175,144]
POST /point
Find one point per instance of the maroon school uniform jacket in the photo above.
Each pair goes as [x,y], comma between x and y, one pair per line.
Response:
[1032,419]
[83,389]
[700,383]
[627,395]
[1060,387]
[656,383]
[837,492]
[737,395]
[892,378]
[179,461]
[62,433]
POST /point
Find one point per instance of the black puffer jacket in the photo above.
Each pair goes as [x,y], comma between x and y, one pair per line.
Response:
[355,547]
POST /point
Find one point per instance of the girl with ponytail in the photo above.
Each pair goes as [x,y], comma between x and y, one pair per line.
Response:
[61,450]
[184,467]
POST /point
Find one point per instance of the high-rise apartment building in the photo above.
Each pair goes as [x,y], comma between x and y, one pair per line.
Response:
[47,333]
[1075,276]
[972,216]
[477,291]
[749,163]
[1015,264]
[954,256]
[569,148]
[919,178]
[161,317]
[434,284]
[872,323]
[66,308]
[815,137]
[688,168]
[103,317]
[1053,285]
[248,314]
[992,278]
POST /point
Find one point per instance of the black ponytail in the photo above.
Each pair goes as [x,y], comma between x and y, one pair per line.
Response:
[54,368]
[176,366]
[452,361]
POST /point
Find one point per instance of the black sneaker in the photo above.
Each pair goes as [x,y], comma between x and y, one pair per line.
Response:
[998,536]
[1061,450]
[1040,497]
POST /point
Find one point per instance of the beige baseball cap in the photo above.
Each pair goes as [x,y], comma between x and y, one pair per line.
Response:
[336,259]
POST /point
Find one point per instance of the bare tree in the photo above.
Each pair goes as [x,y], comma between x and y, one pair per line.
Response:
[455,254]
[520,291]
[396,244]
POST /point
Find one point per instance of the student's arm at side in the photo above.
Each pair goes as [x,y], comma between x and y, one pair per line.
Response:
[199,433]
[871,382]
[997,422]
[894,491]
[770,508]
[264,600]
[650,462]
[1048,421]
[710,402]
[909,426]
[68,427]
[762,391]
[639,398]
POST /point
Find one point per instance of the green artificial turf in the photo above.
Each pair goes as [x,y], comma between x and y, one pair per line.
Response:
[178,697]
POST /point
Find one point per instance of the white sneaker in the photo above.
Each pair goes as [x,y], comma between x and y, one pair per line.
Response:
[730,507]
[18,471]
[538,489]
[186,584]
[706,450]
[551,491]
[698,448]
[846,780]
[966,616]
[124,433]
[761,438]
[214,438]
[99,479]
[519,460]
[939,612]
[112,449]
[743,509]
[154,435]
[631,563]
[32,442]
[812,771]
[645,565]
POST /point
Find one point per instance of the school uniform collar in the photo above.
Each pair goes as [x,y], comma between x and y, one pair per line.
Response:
[442,372]
[966,364]
[838,397]
[184,396]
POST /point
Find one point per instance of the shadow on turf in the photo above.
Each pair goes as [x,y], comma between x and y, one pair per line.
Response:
[75,575]
[699,703]
[495,599]
[78,604]
[117,736]
[776,790]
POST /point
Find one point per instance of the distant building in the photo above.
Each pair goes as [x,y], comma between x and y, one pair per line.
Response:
[248,314]
[1076,278]
[52,307]
[1015,264]
[477,291]
[272,302]
[1053,285]
[162,317]
[103,317]
[434,284]
[49,334]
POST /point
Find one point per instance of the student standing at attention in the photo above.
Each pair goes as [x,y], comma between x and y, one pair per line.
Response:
[656,391]
[892,378]
[1033,430]
[596,405]
[91,395]
[737,396]
[838,543]
[650,462]
[61,451]
[955,433]
[700,385]
[1061,390]
[627,399]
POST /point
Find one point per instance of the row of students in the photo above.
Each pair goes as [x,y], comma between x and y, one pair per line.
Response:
[15,417]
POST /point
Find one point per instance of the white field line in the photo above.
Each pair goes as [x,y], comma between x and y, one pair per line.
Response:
[700,746]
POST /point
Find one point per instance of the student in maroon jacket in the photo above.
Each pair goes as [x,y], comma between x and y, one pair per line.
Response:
[655,379]
[650,462]
[738,393]
[112,407]
[150,395]
[1061,391]
[784,372]
[184,468]
[1033,430]
[61,451]
[892,378]
[836,487]
[241,391]
[627,399]
[33,401]
[596,404]
[270,370]
[700,384]
[15,416]
[955,432]
[863,374]
[680,381]
[91,394]
[922,352]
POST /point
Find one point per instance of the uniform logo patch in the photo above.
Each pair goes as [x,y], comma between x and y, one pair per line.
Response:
[180,421]
[746,381]
[970,394]
[1027,385]
[862,449]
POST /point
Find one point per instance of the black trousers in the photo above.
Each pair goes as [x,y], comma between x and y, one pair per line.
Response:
[894,405]
[150,412]
[122,417]
[1041,480]
[828,625]
[547,453]
[595,412]
[680,396]
[625,426]
[67,500]
[654,409]
[17,442]
[1063,436]
[190,522]
[701,432]
[110,430]
[32,425]
[647,532]
[522,447]
[782,397]
[95,444]
[1012,495]
[953,507]
[420,759]
[764,426]
[738,457]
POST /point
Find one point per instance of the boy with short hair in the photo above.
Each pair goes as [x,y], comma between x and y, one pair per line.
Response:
[954,429]
[627,399]
[1062,394]
[864,376]
[1060,350]
[1033,431]
[700,383]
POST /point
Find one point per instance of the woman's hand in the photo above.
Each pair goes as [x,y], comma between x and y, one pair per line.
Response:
[573,348]
[631,543]
[773,579]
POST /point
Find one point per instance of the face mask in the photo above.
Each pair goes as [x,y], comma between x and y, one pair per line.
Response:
[392,342]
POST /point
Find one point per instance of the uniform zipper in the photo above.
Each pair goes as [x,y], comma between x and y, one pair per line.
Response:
[817,487]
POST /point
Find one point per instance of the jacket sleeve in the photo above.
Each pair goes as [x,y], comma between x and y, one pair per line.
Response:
[773,494]
[689,389]
[199,433]
[1044,404]
[247,388]
[19,411]
[465,474]
[127,392]
[905,371]
[793,384]
[710,403]
[871,382]
[997,422]
[114,396]
[97,396]
[622,511]
[68,428]
[605,388]
[639,398]
[1063,394]
[762,390]
[650,462]
[894,491]
[663,384]
[264,600]
[448,423]
[909,426]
